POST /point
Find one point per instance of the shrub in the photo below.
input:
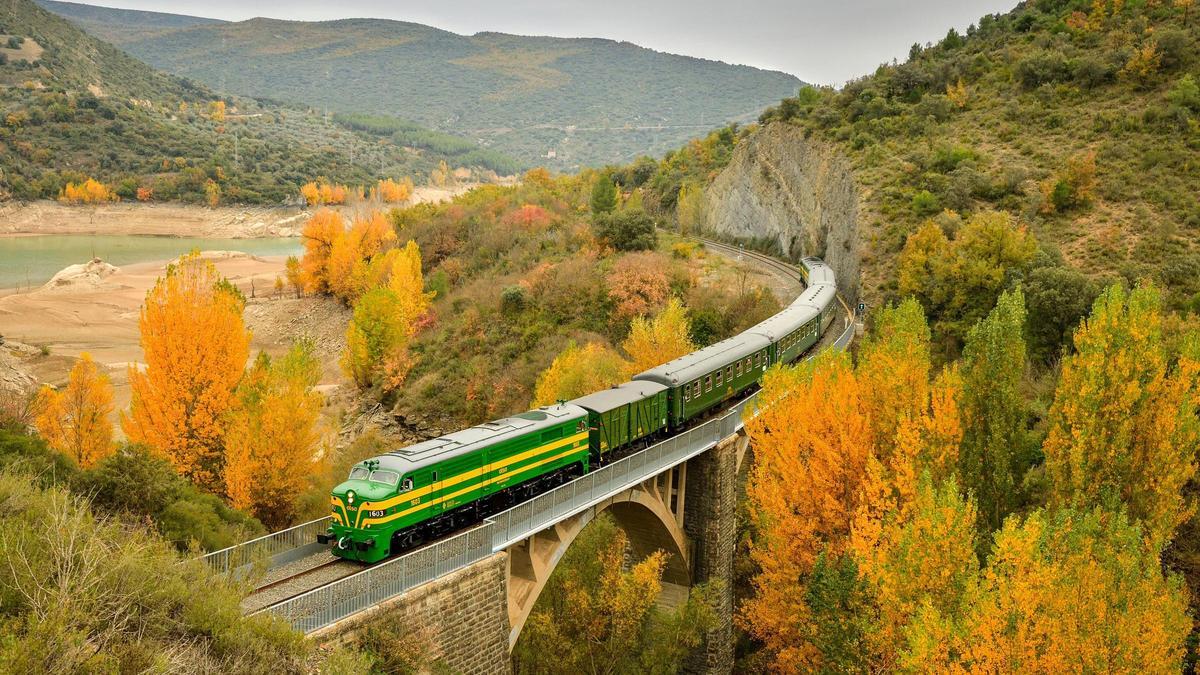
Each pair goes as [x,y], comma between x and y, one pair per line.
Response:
[627,230]
[925,203]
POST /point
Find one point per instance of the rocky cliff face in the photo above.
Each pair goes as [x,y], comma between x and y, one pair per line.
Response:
[793,192]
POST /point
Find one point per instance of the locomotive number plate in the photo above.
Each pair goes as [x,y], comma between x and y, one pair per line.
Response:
[375,514]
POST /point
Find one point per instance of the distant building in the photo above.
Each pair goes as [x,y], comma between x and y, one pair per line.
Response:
[551,154]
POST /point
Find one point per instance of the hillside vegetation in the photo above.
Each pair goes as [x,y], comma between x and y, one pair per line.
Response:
[585,99]
[75,107]
[1078,118]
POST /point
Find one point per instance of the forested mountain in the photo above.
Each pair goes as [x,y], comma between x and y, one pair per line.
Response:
[76,107]
[588,101]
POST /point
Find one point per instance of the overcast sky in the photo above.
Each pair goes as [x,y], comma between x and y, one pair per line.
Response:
[818,41]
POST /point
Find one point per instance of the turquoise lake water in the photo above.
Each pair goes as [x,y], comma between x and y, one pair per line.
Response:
[32,261]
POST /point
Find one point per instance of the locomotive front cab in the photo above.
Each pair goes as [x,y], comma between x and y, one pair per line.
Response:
[357,506]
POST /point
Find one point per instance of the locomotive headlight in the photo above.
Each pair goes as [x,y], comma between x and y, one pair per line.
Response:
[350,497]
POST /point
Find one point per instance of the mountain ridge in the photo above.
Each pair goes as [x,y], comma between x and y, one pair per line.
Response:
[566,102]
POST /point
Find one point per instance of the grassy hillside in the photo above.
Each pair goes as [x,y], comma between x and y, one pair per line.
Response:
[1079,119]
[585,99]
[75,107]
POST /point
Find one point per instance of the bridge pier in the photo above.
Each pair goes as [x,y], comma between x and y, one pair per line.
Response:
[710,522]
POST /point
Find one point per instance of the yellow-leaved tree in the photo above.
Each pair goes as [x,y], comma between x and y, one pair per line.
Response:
[75,421]
[1067,591]
[272,438]
[578,371]
[376,355]
[406,279]
[195,349]
[655,341]
[1123,423]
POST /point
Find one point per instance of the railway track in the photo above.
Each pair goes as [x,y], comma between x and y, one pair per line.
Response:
[298,578]
[789,271]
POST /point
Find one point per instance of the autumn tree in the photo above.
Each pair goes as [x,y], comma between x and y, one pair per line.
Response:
[839,451]
[638,285]
[408,282]
[348,268]
[90,191]
[294,275]
[924,565]
[655,341]
[394,192]
[1066,591]
[813,447]
[75,421]
[376,355]
[195,348]
[958,280]
[1123,424]
[578,371]
[992,457]
[271,439]
[320,233]
[598,613]
[689,208]
[216,111]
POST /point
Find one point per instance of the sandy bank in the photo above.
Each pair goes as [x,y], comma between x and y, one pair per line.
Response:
[95,309]
[174,220]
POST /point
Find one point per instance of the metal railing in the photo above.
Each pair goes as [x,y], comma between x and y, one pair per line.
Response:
[271,547]
[333,602]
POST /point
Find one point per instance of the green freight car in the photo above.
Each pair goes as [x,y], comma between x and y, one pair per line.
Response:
[624,417]
[393,501]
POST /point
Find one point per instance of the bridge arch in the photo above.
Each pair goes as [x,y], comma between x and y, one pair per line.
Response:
[652,515]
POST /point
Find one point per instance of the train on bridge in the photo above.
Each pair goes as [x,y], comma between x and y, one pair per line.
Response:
[395,501]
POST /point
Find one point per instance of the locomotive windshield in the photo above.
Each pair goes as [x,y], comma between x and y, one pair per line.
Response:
[385,477]
[358,473]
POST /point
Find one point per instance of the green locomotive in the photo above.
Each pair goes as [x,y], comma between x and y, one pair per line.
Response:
[394,501]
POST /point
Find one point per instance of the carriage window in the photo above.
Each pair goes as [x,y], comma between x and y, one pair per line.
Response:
[719,378]
[687,392]
[757,360]
[385,477]
[708,383]
[739,370]
[358,473]
[729,372]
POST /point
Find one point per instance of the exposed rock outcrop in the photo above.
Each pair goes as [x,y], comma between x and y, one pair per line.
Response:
[794,192]
[89,274]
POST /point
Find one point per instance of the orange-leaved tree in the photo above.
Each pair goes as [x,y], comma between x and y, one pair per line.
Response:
[638,284]
[839,452]
[813,444]
[195,349]
[272,437]
[658,340]
[320,232]
[75,421]
[1124,420]
[349,272]
[578,371]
